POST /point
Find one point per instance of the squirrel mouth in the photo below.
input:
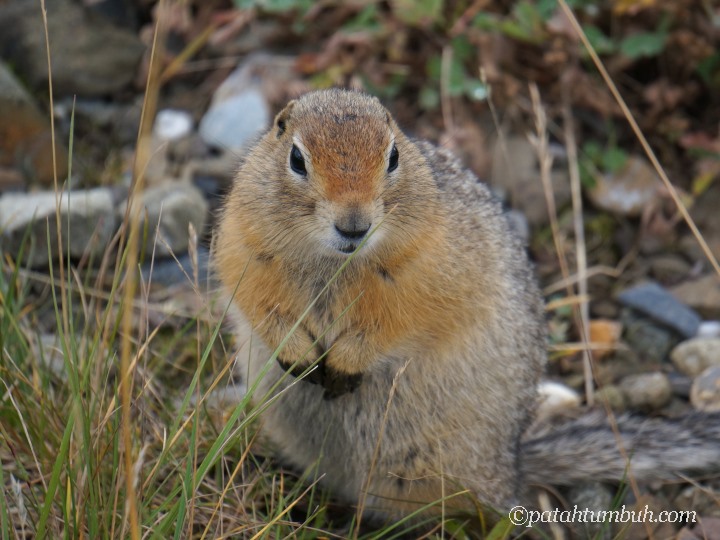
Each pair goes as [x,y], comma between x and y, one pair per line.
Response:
[347,248]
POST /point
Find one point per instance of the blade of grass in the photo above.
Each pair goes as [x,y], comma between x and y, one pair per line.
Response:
[132,216]
[55,478]
[285,510]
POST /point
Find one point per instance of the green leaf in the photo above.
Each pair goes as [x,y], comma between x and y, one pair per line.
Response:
[546,9]
[709,69]
[530,24]
[614,159]
[366,20]
[274,6]
[501,530]
[600,42]
[433,67]
[416,12]
[462,48]
[643,44]
[592,150]
[487,21]
[456,82]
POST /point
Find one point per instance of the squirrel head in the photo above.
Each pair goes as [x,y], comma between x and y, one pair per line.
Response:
[335,171]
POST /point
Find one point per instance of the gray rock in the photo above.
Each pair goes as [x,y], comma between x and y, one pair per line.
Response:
[680,384]
[90,56]
[669,269]
[705,391]
[234,122]
[87,221]
[613,395]
[646,391]
[702,294]
[516,175]
[705,213]
[649,340]
[654,301]
[170,271]
[120,119]
[25,138]
[170,208]
[695,355]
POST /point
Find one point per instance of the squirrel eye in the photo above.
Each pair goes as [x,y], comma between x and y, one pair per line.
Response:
[393,162]
[297,162]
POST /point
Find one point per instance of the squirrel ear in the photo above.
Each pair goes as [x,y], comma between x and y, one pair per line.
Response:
[282,117]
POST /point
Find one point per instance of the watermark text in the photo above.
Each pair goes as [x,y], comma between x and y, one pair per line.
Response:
[520,515]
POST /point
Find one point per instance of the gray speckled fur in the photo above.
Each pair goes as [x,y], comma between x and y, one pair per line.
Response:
[659,449]
[459,411]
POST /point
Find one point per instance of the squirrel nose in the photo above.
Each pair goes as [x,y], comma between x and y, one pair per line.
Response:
[353,226]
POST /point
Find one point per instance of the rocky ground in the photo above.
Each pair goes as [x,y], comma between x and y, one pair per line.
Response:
[652,295]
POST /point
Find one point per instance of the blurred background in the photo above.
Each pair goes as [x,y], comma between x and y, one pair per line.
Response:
[508,85]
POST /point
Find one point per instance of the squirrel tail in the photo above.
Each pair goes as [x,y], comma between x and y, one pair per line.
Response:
[591,448]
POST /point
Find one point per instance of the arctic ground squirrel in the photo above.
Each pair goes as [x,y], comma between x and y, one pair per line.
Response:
[406,325]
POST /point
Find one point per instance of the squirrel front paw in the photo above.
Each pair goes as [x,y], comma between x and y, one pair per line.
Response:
[333,382]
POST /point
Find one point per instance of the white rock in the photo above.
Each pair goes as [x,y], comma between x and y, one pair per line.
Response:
[233,123]
[555,399]
[709,329]
[172,124]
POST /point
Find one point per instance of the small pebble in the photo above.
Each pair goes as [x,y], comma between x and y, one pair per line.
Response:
[647,391]
[613,395]
[709,329]
[171,124]
[705,391]
[650,340]
[555,399]
[693,356]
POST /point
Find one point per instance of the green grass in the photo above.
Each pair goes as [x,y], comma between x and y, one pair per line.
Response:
[196,470]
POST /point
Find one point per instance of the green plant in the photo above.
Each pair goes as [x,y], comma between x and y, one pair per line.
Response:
[597,158]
